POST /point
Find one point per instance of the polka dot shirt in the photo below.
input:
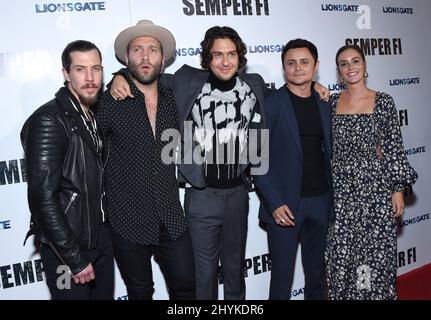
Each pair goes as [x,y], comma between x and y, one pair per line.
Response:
[141,191]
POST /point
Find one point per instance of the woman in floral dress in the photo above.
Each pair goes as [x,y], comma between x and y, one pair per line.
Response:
[370,172]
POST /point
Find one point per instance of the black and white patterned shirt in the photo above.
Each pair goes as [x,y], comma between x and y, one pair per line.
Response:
[221,117]
[141,191]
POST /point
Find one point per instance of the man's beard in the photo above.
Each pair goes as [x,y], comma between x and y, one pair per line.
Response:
[144,79]
[89,100]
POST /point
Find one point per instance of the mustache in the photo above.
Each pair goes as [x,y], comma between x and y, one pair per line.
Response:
[89,86]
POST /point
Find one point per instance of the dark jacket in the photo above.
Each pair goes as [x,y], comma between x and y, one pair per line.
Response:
[65,204]
[282,184]
[186,84]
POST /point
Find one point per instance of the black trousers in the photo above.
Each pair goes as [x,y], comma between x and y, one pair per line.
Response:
[175,258]
[101,257]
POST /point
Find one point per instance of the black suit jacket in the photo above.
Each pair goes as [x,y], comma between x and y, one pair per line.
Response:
[186,84]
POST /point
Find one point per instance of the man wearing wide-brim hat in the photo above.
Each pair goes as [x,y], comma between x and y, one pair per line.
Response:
[141,191]
[148,29]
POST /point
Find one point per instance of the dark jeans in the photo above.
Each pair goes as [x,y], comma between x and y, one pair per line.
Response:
[175,258]
[101,257]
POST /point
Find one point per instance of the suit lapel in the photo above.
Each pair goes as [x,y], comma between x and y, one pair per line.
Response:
[197,82]
[259,93]
[325,116]
[187,166]
[287,106]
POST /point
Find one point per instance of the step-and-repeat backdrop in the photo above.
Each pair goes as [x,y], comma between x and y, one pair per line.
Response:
[394,35]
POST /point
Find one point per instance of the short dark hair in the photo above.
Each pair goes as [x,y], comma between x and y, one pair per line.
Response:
[215,33]
[355,47]
[300,43]
[78,45]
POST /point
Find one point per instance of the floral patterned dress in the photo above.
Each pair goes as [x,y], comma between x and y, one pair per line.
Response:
[368,165]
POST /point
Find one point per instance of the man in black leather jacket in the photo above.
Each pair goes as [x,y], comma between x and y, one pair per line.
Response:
[65,154]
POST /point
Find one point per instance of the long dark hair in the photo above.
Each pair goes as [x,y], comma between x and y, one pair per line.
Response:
[215,33]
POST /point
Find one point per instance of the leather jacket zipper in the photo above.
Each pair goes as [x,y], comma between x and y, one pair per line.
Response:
[70,202]
[56,253]
[86,192]
[102,173]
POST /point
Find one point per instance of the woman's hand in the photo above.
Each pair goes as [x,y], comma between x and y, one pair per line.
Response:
[398,204]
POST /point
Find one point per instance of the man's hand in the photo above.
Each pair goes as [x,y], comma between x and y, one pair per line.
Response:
[398,204]
[283,216]
[322,91]
[120,89]
[85,275]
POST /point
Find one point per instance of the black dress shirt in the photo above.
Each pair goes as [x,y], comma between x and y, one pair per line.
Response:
[141,191]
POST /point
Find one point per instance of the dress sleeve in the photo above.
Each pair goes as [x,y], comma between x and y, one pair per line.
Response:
[398,169]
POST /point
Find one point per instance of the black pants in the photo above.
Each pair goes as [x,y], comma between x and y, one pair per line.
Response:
[175,258]
[101,257]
